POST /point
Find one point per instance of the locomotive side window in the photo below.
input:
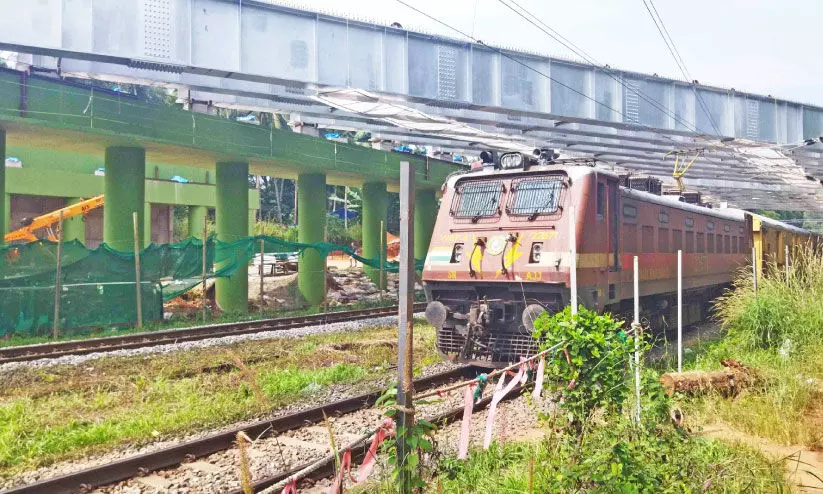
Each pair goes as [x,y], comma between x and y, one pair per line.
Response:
[701,243]
[601,201]
[677,240]
[662,240]
[629,240]
[535,196]
[727,244]
[710,243]
[647,239]
[690,242]
[477,200]
[719,238]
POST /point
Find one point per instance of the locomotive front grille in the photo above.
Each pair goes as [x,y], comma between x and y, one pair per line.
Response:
[495,348]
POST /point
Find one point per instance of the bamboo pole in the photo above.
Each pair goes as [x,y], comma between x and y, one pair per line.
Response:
[380,255]
[57,285]
[137,271]
[262,269]
[787,264]
[203,267]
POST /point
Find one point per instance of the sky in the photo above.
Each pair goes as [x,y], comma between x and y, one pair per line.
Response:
[769,47]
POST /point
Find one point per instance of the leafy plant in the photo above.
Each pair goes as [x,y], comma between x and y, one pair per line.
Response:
[591,364]
[419,440]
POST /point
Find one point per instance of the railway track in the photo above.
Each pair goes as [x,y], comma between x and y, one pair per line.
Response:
[172,336]
[188,452]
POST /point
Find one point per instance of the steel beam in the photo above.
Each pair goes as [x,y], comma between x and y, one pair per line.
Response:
[75,228]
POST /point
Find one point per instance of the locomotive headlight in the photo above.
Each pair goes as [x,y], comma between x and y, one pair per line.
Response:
[537,250]
[511,160]
[457,254]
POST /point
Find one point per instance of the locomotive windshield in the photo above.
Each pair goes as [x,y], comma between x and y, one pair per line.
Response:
[477,199]
[535,196]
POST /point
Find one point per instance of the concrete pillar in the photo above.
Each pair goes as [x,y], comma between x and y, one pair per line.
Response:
[252,220]
[146,225]
[231,215]
[125,191]
[197,216]
[375,206]
[425,212]
[74,228]
[4,208]
[311,226]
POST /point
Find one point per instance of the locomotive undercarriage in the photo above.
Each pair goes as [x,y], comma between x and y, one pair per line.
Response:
[483,324]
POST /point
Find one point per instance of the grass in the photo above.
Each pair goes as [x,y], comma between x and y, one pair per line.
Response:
[778,333]
[68,412]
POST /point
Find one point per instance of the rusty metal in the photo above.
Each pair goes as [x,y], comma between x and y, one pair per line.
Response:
[172,336]
[170,457]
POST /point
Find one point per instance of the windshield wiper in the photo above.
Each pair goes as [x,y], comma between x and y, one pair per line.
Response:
[479,215]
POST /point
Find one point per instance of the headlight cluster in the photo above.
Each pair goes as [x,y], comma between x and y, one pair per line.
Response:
[511,160]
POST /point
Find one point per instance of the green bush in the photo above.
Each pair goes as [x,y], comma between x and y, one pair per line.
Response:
[592,362]
[278,230]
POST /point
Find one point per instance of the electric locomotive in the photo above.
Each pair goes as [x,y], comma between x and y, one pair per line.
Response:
[500,253]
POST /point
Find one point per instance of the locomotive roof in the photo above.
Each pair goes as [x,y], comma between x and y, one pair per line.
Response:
[574,172]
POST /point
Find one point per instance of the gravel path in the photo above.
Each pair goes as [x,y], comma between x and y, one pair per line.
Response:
[325,395]
[211,342]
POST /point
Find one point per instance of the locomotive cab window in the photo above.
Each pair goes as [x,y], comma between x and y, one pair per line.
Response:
[601,201]
[533,197]
[476,200]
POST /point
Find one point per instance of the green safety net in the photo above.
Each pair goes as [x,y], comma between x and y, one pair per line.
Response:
[98,285]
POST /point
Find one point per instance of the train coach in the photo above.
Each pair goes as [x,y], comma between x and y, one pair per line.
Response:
[500,254]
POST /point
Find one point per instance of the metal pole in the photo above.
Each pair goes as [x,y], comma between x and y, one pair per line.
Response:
[55,330]
[380,255]
[137,271]
[787,264]
[203,275]
[679,311]
[754,270]
[636,328]
[262,269]
[573,257]
[405,392]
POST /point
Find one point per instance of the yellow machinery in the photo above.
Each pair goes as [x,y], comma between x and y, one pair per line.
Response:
[49,219]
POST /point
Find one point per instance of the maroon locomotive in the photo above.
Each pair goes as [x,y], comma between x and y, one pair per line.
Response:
[500,253]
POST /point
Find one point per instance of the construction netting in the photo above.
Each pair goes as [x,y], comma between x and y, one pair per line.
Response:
[98,286]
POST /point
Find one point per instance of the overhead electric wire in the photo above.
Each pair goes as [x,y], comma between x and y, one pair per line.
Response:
[678,60]
[552,33]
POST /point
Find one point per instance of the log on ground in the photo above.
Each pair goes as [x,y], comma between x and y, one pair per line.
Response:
[728,381]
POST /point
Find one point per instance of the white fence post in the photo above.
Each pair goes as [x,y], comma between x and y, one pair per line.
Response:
[679,311]
[636,329]
[573,254]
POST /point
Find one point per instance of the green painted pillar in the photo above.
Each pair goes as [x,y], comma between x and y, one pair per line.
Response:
[252,220]
[375,206]
[197,216]
[4,208]
[425,212]
[125,191]
[74,228]
[147,225]
[311,226]
[231,218]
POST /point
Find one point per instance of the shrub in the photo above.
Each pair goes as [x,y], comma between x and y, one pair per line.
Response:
[591,363]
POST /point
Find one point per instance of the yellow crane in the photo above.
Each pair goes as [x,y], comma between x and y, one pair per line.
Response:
[49,219]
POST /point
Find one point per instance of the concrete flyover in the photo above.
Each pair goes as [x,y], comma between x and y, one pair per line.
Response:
[251,54]
[38,112]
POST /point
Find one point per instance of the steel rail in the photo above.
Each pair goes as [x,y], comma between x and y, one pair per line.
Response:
[25,353]
[325,467]
[117,471]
